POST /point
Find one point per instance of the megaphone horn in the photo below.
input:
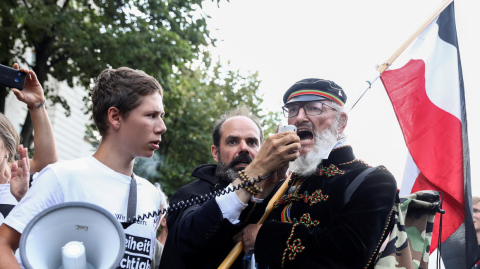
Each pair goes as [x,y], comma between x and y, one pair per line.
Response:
[79,230]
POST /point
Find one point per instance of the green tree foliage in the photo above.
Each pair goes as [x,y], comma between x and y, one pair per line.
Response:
[74,40]
[192,106]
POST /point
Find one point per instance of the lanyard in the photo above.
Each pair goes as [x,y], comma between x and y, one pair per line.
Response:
[132,200]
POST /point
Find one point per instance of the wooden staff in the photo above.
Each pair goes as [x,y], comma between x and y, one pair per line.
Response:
[237,250]
[404,46]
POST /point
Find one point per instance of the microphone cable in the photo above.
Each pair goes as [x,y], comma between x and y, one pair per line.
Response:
[196,200]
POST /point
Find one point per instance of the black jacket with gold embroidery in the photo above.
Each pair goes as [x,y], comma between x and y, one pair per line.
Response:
[312,227]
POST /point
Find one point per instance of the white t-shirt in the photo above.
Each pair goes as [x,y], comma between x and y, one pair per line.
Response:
[88,180]
[7,201]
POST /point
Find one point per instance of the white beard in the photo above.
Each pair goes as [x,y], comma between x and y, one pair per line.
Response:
[324,142]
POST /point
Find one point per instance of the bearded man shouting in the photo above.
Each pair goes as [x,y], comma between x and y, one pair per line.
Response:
[314,224]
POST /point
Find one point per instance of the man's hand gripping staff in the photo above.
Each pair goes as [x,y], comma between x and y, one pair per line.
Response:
[274,156]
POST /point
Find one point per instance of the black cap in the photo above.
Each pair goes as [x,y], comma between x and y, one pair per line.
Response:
[312,89]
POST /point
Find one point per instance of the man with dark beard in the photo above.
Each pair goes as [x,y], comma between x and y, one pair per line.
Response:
[317,223]
[201,235]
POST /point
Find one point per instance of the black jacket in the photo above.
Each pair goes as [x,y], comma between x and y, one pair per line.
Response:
[313,228]
[199,236]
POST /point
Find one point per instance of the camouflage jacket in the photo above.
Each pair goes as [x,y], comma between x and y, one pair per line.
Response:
[409,242]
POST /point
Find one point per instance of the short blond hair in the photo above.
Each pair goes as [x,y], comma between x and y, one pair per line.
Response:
[475,199]
[10,137]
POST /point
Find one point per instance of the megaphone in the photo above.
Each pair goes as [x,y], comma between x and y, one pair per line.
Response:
[71,228]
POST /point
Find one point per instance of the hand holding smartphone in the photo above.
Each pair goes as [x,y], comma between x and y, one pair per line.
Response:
[286,128]
[12,78]
[32,93]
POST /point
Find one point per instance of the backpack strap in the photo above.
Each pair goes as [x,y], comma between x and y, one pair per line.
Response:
[355,183]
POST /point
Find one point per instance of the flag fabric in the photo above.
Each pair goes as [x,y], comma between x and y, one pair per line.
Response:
[426,90]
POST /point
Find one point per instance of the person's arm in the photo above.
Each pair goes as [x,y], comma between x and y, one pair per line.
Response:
[9,241]
[273,157]
[44,141]
[200,226]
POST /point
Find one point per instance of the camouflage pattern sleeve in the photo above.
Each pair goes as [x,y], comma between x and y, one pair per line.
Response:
[408,244]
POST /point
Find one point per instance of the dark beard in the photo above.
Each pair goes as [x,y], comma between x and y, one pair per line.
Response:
[227,172]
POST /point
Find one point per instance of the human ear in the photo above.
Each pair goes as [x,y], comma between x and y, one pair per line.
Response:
[114,118]
[215,153]
[344,120]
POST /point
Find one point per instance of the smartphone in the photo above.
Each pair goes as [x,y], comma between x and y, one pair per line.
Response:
[11,77]
[286,128]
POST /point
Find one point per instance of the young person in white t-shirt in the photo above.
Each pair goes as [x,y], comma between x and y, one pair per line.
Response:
[128,112]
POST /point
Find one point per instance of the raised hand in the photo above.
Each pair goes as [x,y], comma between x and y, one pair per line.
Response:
[271,182]
[20,175]
[277,151]
[274,155]
[32,93]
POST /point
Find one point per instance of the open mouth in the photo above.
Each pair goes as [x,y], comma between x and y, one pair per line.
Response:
[305,135]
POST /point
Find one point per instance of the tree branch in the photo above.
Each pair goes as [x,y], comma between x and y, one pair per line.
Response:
[29,8]
[25,3]
[65,4]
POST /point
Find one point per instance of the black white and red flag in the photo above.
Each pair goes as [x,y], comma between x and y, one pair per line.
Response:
[427,93]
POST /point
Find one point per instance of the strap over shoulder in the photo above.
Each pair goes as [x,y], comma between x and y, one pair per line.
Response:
[355,183]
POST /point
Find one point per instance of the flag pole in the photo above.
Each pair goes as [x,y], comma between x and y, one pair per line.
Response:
[399,51]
